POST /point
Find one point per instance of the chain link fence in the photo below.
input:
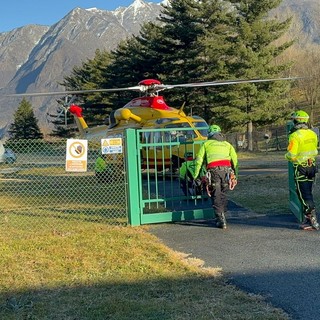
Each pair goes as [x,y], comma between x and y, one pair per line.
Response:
[264,139]
[36,189]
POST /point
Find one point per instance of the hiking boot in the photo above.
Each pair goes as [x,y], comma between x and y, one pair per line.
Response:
[310,223]
[221,221]
[306,226]
[313,219]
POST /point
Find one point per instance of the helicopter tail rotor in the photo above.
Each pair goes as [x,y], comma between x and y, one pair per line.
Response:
[65,106]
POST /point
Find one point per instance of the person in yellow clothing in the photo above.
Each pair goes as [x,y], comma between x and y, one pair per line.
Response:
[302,151]
[221,161]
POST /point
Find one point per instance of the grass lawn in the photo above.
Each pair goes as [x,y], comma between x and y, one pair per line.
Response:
[94,271]
[90,270]
[265,193]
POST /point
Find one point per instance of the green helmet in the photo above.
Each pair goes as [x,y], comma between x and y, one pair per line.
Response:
[300,116]
[213,130]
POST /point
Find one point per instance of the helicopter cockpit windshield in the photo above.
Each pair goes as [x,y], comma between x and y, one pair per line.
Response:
[179,135]
[201,126]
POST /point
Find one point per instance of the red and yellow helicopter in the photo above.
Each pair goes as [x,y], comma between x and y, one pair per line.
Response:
[149,111]
[152,112]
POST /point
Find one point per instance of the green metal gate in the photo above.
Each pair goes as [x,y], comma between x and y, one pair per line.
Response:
[153,157]
[295,204]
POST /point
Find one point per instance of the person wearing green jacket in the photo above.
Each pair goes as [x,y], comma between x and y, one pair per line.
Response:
[101,168]
[301,152]
[221,161]
[186,173]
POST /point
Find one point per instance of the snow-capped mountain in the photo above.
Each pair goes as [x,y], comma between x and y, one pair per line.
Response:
[37,58]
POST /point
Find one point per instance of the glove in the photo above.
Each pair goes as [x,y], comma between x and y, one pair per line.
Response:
[232,181]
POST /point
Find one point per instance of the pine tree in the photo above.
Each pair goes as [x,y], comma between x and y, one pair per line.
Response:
[125,71]
[172,51]
[25,125]
[186,24]
[90,76]
[204,41]
[254,51]
[182,46]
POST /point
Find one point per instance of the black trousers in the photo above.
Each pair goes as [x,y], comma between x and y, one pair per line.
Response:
[304,178]
[185,186]
[218,187]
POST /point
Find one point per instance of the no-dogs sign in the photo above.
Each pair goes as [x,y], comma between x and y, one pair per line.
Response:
[76,159]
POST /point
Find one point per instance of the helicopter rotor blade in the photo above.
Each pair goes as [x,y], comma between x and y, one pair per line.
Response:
[75,92]
[64,111]
[219,83]
[149,88]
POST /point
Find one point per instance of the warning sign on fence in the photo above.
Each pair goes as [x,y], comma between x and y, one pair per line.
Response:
[76,159]
[111,145]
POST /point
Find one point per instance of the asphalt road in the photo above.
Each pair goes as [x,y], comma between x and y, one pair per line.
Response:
[265,255]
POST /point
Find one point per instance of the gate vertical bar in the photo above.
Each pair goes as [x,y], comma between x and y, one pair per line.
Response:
[131,155]
[295,204]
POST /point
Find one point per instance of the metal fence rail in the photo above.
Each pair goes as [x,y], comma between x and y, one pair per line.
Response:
[36,189]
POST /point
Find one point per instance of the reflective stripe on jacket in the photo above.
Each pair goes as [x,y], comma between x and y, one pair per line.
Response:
[214,150]
[302,146]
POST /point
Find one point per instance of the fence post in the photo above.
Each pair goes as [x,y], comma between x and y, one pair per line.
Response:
[132,177]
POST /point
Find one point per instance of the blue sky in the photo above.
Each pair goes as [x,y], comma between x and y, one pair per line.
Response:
[18,13]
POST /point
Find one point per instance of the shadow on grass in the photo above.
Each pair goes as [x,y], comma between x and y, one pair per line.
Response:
[189,298]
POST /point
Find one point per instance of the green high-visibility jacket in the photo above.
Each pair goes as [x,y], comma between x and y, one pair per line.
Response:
[187,169]
[100,165]
[303,145]
[214,150]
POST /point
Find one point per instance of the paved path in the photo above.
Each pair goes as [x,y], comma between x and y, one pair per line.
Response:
[265,255]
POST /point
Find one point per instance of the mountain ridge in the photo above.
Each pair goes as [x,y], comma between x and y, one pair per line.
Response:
[58,48]
[36,58]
